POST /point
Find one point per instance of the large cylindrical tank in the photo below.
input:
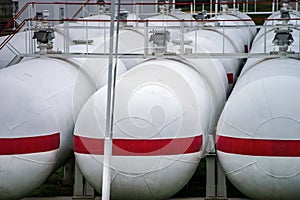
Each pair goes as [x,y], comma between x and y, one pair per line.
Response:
[164,111]
[45,91]
[39,104]
[258,140]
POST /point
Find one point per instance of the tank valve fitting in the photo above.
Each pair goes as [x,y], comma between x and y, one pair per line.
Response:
[283,38]
[160,39]
[44,34]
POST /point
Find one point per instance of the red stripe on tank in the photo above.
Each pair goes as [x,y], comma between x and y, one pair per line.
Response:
[27,145]
[259,147]
[138,147]
[230,78]
[246,48]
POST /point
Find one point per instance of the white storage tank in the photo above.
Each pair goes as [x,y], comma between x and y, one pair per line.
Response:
[164,111]
[40,102]
[258,139]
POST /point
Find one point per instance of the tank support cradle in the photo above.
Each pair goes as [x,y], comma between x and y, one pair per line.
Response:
[82,189]
[215,187]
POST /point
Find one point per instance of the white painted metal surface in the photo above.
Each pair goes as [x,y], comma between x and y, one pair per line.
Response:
[259,128]
[41,97]
[69,78]
[173,104]
[155,101]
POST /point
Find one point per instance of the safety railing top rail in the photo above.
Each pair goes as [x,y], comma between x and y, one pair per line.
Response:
[192,6]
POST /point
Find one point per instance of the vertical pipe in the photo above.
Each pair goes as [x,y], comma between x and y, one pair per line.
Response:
[173,5]
[30,29]
[33,10]
[196,40]
[137,14]
[65,11]
[223,37]
[56,13]
[216,8]
[14,14]
[181,37]
[210,8]
[234,2]
[109,112]
[249,41]
[86,38]
[146,39]
[104,38]
[26,39]
[265,38]
[67,38]
[194,6]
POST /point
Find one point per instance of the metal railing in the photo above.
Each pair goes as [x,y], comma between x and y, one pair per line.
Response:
[69,24]
[147,48]
[74,9]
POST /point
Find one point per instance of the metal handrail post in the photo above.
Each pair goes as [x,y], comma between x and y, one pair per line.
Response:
[210,8]
[181,37]
[223,50]
[87,37]
[216,8]
[146,39]
[106,179]
[265,38]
